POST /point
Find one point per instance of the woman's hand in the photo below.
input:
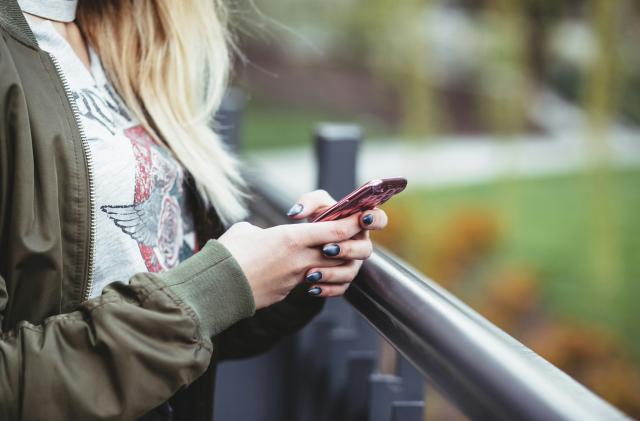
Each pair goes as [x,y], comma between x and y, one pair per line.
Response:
[332,281]
[276,259]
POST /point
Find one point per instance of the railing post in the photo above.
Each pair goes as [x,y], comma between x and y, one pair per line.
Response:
[337,148]
[389,400]
[413,383]
[383,389]
[407,411]
[360,364]
[228,119]
[312,371]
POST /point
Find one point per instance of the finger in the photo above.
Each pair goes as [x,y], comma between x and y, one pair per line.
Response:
[313,257]
[321,233]
[350,249]
[337,274]
[328,290]
[311,203]
[374,219]
[362,235]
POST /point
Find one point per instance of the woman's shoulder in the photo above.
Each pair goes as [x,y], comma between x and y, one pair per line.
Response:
[14,26]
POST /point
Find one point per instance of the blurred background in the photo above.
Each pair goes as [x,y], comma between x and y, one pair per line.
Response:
[517,125]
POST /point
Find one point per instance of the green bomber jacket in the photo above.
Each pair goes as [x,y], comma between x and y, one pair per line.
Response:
[145,340]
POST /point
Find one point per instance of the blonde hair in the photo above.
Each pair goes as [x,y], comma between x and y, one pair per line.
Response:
[169,60]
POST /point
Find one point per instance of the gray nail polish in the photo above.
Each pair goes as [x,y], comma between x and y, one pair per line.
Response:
[295,209]
[314,276]
[315,291]
[368,219]
[331,250]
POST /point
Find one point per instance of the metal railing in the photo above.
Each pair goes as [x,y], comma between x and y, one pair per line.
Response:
[334,364]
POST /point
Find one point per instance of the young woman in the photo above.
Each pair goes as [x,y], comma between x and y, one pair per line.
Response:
[114,294]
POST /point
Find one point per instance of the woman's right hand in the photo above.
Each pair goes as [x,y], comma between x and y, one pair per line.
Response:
[276,259]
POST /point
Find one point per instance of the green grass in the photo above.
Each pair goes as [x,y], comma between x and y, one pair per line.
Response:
[548,224]
[271,126]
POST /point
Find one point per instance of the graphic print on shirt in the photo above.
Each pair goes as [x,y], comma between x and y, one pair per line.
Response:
[155,218]
[95,106]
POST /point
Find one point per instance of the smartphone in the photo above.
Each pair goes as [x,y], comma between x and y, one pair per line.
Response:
[371,194]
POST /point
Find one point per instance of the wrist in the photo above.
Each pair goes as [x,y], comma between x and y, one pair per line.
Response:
[212,283]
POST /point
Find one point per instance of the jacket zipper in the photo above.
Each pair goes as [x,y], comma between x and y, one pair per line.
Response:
[87,285]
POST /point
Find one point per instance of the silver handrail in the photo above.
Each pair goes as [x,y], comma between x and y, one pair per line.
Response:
[485,372]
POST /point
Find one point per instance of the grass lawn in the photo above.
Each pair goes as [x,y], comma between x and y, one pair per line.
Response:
[269,126]
[588,270]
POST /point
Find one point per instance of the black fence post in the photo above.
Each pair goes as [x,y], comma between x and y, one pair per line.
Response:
[337,148]
[384,389]
[391,400]
[228,119]
[407,411]
[360,365]
[351,355]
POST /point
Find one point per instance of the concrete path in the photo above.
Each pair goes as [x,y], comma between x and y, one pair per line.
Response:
[466,160]
[447,162]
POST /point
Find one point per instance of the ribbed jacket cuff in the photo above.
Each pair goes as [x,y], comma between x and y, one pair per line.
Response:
[213,284]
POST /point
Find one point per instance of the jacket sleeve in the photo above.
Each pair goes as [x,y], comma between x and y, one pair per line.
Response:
[257,334]
[123,353]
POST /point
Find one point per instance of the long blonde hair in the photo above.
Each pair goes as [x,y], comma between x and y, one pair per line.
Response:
[169,60]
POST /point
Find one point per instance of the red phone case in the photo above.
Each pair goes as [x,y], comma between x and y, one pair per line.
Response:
[372,194]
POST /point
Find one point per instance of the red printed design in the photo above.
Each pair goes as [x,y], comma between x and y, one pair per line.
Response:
[155,218]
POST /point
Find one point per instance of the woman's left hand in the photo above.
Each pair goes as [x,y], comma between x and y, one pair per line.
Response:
[332,281]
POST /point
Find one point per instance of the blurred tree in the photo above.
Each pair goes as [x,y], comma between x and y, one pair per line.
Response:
[600,100]
[390,37]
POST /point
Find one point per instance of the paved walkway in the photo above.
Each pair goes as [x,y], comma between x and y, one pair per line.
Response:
[448,162]
[466,160]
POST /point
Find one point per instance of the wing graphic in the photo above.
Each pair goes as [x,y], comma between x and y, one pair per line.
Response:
[139,221]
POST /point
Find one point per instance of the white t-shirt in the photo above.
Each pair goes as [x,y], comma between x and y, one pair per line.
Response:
[143,222]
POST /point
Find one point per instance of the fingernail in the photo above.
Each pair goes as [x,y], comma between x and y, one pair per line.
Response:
[315,291]
[314,276]
[331,250]
[368,219]
[295,209]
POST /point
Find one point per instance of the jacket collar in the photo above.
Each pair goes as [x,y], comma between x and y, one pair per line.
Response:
[14,22]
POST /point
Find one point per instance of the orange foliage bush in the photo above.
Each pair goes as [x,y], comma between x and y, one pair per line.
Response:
[466,238]
[593,357]
[398,235]
[512,299]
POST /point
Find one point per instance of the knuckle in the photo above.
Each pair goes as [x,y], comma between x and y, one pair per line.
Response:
[339,232]
[241,226]
[328,275]
[304,197]
[328,291]
[346,250]
[299,266]
[323,197]
[353,272]
[326,194]
[368,250]
[291,241]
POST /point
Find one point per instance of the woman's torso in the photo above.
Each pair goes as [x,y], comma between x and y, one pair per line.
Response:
[142,218]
